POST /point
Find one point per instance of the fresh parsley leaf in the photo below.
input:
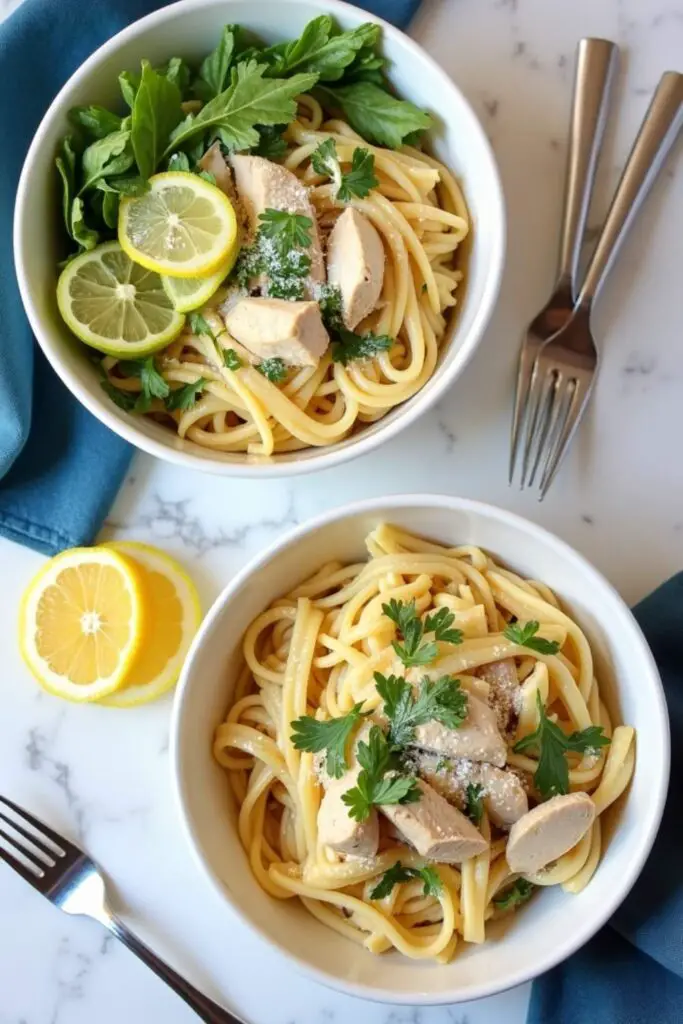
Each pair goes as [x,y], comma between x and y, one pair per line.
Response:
[213,72]
[367,67]
[397,873]
[330,303]
[104,157]
[374,787]
[66,165]
[412,651]
[179,162]
[125,400]
[271,144]
[286,230]
[551,743]
[475,804]
[376,114]
[273,370]
[153,384]
[95,121]
[249,100]
[86,237]
[444,764]
[249,264]
[439,623]
[184,397]
[286,273]
[129,84]
[348,346]
[519,892]
[231,359]
[320,51]
[332,736]
[525,635]
[440,700]
[200,325]
[356,182]
[156,112]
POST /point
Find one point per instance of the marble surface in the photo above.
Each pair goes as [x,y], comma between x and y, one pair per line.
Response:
[101,776]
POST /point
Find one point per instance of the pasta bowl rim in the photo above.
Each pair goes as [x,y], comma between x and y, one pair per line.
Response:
[640,842]
[49,331]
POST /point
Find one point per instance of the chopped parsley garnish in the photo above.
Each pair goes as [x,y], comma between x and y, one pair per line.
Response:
[286,230]
[184,397]
[330,303]
[348,346]
[126,400]
[152,383]
[356,182]
[551,743]
[374,786]
[200,325]
[439,700]
[271,144]
[397,873]
[412,651]
[332,736]
[525,635]
[475,805]
[279,254]
[231,359]
[444,764]
[519,892]
[273,370]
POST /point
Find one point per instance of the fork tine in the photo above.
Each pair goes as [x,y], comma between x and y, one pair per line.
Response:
[550,423]
[575,410]
[63,846]
[523,384]
[10,858]
[52,855]
[541,387]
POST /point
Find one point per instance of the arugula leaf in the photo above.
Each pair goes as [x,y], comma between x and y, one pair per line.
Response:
[319,51]
[273,370]
[66,165]
[129,84]
[231,359]
[86,237]
[526,636]
[519,892]
[108,156]
[349,346]
[126,400]
[397,873]
[356,182]
[376,114]
[110,208]
[156,112]
[552,774]
[152,383]
[213,71]
[475,804]
[439,624]
[286,230]
[439,700]
[249,100]
[271,144]
[185,397]
[310,734]
[179,162]
[96,121]
[177,72]
[373,786]
[130,185]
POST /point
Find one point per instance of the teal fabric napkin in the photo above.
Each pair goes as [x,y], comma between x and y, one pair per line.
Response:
[60,468]
[632,971]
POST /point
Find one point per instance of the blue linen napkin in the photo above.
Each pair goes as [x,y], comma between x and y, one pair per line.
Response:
[632,971]
[60,468]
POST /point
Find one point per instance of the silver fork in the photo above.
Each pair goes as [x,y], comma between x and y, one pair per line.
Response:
[72,881]
[596,65]
[565,368]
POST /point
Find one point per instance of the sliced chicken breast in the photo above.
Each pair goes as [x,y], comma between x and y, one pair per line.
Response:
[477,738]
[213,162]
[337,829]
[503,794]
[436,828]
[355,264]
[504,693]
[277,328]
[548,831]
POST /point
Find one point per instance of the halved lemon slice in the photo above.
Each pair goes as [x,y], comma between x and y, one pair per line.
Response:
[82,621]
[175,615]
[183,226]
[188,293]
[116,306]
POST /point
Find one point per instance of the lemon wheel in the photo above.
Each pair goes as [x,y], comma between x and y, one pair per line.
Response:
[188,293]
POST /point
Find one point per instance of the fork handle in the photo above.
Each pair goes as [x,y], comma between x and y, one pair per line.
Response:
[204,1007]
[596,65]
[658,132]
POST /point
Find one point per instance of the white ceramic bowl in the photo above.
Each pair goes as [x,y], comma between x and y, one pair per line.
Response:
[191,29]
[554,924]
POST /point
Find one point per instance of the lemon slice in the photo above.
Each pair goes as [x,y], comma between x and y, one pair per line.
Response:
[116,306]
[188,293]
[81,622]
[183,226]
[175,615]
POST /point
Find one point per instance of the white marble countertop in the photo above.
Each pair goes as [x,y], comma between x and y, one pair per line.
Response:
[102,776]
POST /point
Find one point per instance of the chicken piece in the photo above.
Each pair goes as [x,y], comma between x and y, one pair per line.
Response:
[435,828]
[503,793]
[337,829]
[277,328]
[355,265]
[213,162]
[477,739]
[549,830]
[263,185]
[504,692]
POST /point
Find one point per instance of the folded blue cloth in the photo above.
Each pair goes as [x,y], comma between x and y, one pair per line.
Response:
[60,468]
[632,971]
